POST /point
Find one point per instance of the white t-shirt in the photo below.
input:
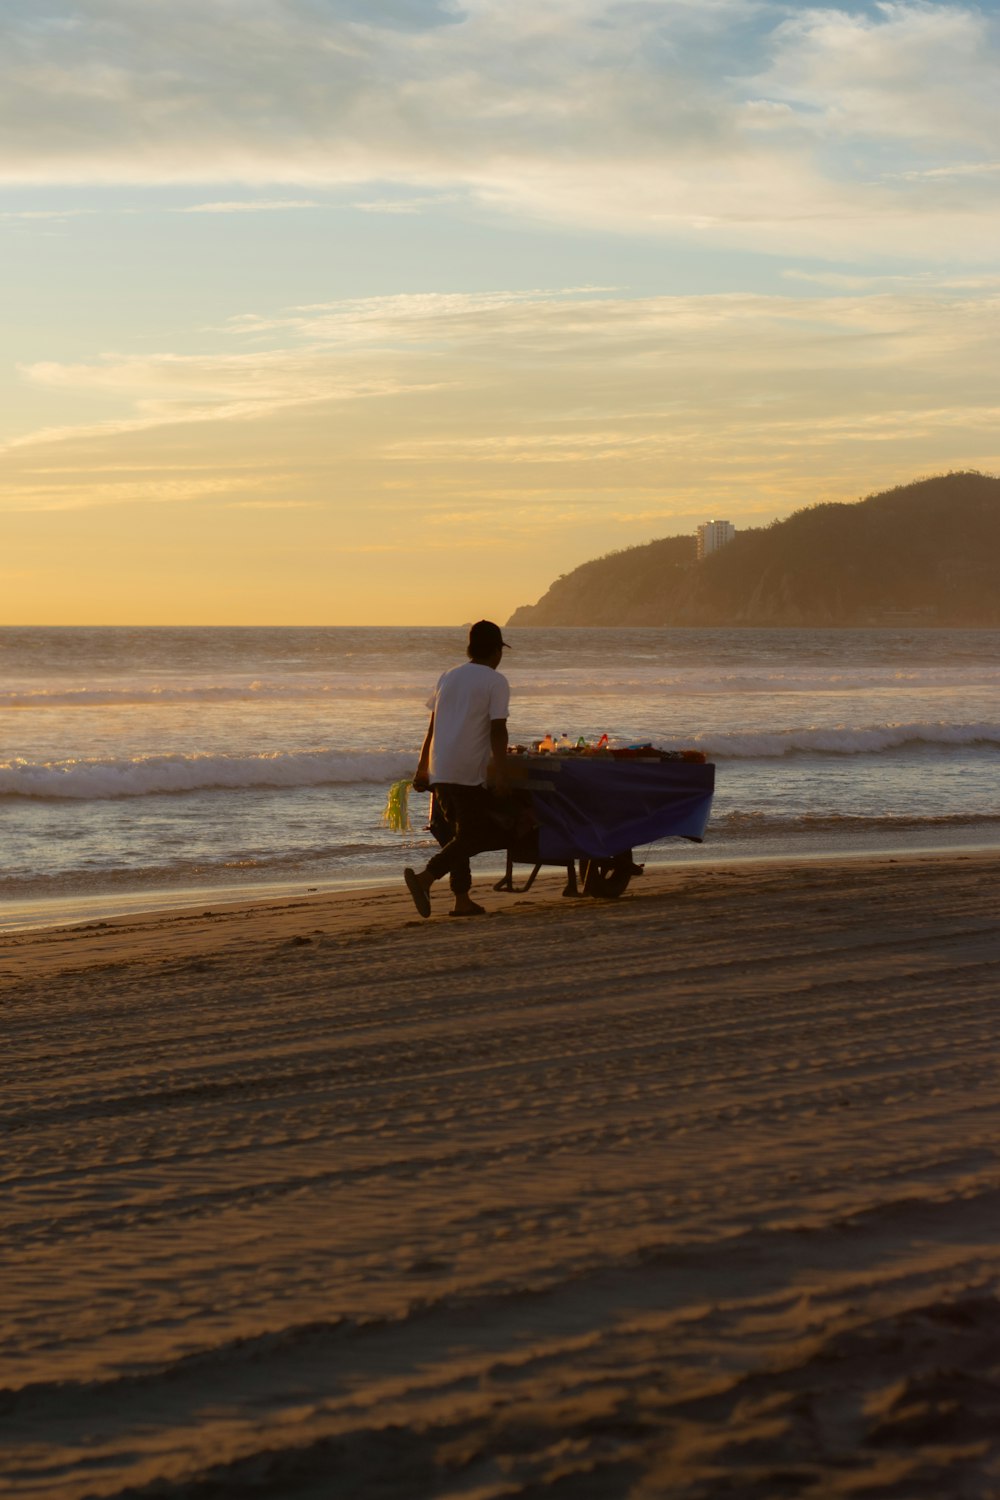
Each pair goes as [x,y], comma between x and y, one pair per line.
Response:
[464,703]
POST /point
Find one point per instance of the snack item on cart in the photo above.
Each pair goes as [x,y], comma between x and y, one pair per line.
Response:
[566,745]
[651,752]
[642,750]
[645,751]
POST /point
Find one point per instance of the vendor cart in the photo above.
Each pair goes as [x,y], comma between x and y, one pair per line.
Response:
[588,813]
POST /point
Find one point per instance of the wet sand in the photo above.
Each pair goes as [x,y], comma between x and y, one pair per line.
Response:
[695,1194]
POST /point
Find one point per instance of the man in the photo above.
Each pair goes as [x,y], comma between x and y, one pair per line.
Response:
[466,734]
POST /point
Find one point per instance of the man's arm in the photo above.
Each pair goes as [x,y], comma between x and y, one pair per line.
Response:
[421,776]
[498,748]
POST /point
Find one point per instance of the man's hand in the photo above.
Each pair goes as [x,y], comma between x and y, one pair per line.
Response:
[497,772]
[421,776]
[496,776]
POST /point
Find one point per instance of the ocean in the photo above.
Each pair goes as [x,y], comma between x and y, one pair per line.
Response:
[140,765]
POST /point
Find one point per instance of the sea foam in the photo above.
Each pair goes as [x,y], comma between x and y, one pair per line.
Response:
[845,739]
[139,776]
[142,775]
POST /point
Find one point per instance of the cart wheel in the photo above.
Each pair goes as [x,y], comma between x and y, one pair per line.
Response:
[606,879]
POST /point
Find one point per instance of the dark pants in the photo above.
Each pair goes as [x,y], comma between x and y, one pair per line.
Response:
[466,810]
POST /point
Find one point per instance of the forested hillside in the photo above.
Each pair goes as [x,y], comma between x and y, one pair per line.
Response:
[925,553]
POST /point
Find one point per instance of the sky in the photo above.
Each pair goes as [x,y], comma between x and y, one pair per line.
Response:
[389,312]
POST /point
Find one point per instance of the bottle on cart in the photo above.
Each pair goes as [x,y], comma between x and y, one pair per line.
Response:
[565,743]
[547,744]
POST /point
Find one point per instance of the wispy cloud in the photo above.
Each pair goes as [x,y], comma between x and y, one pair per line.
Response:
[829,129]
[387,346]
[910,70]
[956,169]
[517,406]
[885,320]
[168,389]
[250,206]
[419,205]
[44,213]
[273,505]
[85,492]
[936,283]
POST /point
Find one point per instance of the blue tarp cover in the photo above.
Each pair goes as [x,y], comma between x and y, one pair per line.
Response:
[599,808]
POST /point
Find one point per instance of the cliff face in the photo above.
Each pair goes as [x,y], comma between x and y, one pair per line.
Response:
[926,553]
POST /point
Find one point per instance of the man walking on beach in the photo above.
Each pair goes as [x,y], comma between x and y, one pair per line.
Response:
[467,731]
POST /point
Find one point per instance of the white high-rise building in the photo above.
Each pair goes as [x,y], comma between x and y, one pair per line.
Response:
[713,535]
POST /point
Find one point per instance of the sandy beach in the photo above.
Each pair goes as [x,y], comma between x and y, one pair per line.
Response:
[695,1194]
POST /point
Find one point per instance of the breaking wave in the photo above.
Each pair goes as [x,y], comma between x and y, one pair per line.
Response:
[142,775]
[843,739]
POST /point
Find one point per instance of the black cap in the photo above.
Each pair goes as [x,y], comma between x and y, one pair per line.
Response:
[485,638]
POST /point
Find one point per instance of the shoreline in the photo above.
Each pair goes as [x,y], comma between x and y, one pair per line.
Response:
[693,1192]
[24,914]
[200,923]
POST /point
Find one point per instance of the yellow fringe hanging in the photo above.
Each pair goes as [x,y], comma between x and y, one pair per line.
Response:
[396,813]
